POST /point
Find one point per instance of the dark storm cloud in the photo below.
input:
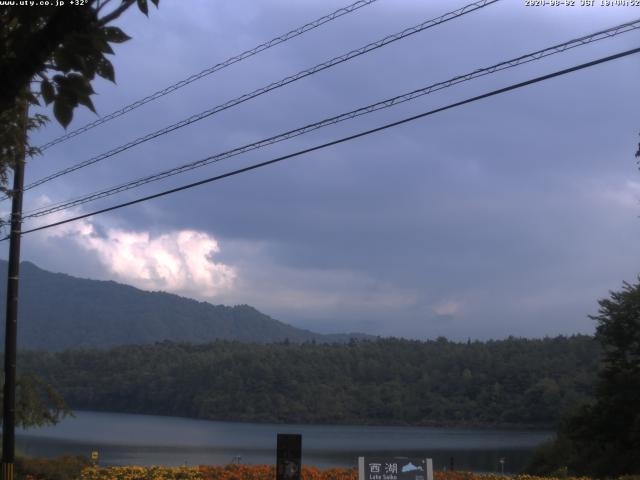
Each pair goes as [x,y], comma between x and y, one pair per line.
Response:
[508,216]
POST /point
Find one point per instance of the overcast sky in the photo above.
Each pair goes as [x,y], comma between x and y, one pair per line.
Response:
[509,216]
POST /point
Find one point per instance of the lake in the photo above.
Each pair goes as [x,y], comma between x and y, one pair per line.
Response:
[123,439]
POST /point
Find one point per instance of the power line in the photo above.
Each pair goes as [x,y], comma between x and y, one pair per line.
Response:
[341,140]
[584,40]
[285,81]
[208,71]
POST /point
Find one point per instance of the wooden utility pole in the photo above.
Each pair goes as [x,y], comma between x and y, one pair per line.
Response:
[11,329]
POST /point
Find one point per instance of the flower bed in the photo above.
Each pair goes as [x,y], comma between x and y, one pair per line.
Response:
[264,472]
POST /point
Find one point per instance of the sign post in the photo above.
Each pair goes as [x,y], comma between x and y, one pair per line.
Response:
[378,468]
[289,457]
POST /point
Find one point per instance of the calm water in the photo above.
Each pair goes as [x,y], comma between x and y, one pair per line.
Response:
[123,439]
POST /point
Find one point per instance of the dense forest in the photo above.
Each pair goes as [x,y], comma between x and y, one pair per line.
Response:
[512,382]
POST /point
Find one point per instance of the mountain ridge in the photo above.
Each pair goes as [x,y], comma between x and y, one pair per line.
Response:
[59,311]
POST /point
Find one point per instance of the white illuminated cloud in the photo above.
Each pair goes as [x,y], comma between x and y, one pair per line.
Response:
[180,261]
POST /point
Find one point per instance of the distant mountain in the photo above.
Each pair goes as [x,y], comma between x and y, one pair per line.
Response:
[58,311]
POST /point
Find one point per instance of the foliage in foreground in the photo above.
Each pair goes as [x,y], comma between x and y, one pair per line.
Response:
[37,403]
[61,468]
[266,472]
[603,438]
[52,54]
[79,468]
[229,472]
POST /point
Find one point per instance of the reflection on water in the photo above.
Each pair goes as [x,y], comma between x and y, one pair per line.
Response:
[151,440]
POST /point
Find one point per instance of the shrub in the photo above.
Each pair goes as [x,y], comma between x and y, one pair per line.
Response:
[60,468]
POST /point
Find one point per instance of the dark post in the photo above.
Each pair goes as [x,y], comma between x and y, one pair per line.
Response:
[11,329]
[289,457]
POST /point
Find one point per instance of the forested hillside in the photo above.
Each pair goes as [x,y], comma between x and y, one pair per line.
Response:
[513,382]
[92,313]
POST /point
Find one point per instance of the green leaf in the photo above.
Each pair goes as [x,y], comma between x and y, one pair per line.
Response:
[91,63]
[143,6]
[47,91]
[32,99]
[63,111]
[62,60]
[82,43]
[115,35]
[67,95]
[105,70]
[79,64]
[86,101]
[100,43]
[155,2]
[37,121]
[79,84]
[70,57]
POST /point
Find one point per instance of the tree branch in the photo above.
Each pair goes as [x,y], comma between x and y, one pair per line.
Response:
[102,5]
[116,13]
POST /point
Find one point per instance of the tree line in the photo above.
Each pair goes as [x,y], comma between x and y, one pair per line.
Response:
[512,382]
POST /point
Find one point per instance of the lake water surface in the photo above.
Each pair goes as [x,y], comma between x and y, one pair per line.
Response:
[123,439]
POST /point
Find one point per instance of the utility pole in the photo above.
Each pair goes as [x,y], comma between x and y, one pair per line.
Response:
[11,328]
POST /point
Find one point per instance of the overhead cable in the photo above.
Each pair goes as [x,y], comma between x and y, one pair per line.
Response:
[339,141]
[208,71]
[285,81]
[584,40]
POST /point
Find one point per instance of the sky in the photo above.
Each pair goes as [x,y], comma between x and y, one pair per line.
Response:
[511,215]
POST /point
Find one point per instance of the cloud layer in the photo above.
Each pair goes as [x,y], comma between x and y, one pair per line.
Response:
[509,216]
